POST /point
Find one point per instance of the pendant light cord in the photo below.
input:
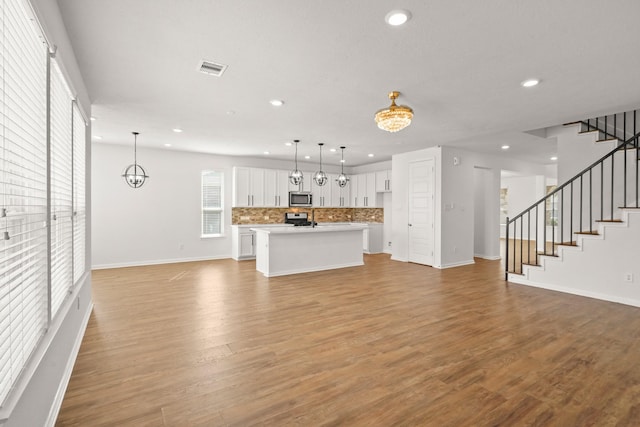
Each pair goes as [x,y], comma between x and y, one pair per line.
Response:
[135,152]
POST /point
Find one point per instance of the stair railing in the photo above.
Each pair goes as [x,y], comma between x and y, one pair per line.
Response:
[575,206]
[620,126]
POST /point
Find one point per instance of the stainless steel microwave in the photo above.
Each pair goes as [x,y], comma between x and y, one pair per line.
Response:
[300,199]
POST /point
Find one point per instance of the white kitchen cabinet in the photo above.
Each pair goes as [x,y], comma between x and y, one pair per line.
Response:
[370,192]
[322,196]
[353,194]
[243,242]
[248,187]
[372,241]
[339,195]
[364,189]
[383,181]
[307,182]
[284,186]
[276,188]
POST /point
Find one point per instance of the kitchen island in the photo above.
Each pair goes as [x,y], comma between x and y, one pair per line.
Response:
[291,250]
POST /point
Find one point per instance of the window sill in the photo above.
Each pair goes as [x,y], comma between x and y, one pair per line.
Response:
[212,236]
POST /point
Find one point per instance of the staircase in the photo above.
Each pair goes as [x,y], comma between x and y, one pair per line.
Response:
[584,237]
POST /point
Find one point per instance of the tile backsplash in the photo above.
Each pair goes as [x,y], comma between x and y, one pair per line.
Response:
[276,215]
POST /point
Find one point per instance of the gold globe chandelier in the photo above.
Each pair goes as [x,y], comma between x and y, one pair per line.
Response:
[395,117]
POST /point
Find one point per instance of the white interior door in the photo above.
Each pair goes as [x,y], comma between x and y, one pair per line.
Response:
[421,212]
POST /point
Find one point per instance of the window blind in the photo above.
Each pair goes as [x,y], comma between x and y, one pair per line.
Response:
[212,203]
[79,205]
[61,108]
[23,191]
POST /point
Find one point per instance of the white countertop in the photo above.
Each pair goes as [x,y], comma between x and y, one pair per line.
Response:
[322,228]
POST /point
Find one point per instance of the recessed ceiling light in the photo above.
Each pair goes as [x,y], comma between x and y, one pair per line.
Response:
[230,113]
[288,144]
[167,145]
[341,160]
[530,83]
[333,150]
[397,17]
[177,130]
[370,154]
[266,152]
[307,157]
[554,158]
[97,137]
[276,102]
[505,147]
[93,119]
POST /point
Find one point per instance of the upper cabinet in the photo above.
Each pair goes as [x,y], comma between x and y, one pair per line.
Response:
[383,181]
[363,191]
[248,187]
[276,188]
[339,195]
[307,182]
[257,187]
[330,195]
[322,194]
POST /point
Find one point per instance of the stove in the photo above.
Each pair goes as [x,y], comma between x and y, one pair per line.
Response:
[298,219]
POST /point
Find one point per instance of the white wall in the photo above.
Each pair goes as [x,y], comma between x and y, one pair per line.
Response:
[159,222]
[486,228]
[457,238]
[387,230]
[576,151]
[522,192]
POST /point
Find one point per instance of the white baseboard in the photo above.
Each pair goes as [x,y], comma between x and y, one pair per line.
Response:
[310,270]
[68,370]
[455,264]
[156,262]
[596,295]
[489,257]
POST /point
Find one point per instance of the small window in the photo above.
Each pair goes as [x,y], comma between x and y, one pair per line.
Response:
[212,203]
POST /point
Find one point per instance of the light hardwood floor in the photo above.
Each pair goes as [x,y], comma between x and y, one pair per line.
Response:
[390,343]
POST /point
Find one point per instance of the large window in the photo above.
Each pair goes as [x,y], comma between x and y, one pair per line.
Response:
[61,181]
[212,204]
[40,155]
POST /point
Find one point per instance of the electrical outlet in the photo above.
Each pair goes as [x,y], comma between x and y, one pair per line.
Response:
[389,244]
[628,277]
[266,217]
[244,218]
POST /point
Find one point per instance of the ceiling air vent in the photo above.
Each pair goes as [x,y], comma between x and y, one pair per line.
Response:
[211,68]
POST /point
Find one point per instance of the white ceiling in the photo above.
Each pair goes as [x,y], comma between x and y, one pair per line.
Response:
[458,64]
